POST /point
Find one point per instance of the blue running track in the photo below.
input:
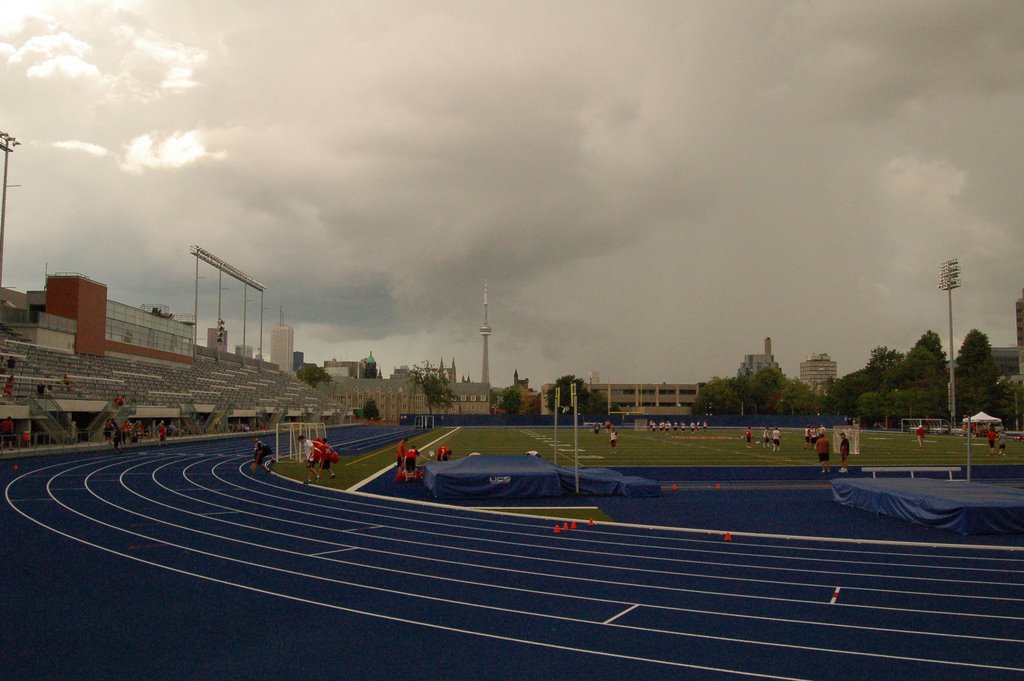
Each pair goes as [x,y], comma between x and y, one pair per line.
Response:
[181,564]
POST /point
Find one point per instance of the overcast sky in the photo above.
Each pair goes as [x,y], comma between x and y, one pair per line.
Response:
[648,188]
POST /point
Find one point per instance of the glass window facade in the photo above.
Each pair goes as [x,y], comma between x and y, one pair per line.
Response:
[135,326]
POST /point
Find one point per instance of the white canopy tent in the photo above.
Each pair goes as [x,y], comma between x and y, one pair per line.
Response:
[982,417]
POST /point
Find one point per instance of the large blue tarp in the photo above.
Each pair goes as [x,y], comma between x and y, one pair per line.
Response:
[511,476]
[956,505]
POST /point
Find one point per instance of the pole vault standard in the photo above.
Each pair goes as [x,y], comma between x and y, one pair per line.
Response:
[575,437]
[558,400]
[224,267]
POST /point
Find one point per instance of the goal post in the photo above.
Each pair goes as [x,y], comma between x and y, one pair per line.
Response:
[930,425]
[424,422]
[852,434]
[286,438]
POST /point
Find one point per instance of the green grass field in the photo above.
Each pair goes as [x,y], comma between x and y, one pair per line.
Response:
[705,448]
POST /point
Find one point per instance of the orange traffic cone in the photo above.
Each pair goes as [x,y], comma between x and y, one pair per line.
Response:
[573,526]
[557,529]
[728,536]
[565,527]
[591,521]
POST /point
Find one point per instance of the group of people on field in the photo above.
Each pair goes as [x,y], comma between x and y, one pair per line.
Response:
[771,438]
[406,456]
[817,440]
[666,426]
[319,456]
[823,447]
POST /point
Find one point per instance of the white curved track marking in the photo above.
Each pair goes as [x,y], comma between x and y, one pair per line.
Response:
[383,517]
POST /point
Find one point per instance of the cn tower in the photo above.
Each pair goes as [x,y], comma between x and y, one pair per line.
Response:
[485,331]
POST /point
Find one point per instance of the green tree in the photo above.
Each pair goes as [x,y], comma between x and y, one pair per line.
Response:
[882,360]
[596,403]
[564,383]
[922,379]
[797,397]
[509,400]
[1013,405]
[977,378]
[434,385]
[845,392]
[766,389]
[741,386]
[312,375]
[370,410]
[874,406]
[931,341]
[718,396]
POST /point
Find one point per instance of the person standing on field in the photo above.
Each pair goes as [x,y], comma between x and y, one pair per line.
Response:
[401,452]
[776,439]
[410,460]
[844,451]
[312,475]
[920,435]
[822,447]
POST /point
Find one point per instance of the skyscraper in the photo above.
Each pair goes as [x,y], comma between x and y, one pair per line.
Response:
[752,363]
[818,370]
[282,345]
[485,331]
[1020,320]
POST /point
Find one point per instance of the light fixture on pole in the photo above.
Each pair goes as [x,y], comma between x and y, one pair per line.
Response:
[7,144]
[949,279]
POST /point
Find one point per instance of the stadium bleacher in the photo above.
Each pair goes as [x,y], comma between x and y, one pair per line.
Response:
[77,389]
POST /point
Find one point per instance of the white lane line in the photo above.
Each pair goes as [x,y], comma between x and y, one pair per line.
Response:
[769,644]
[584,598]
[274,568]
[642,570]
[327,553]
[961,613]
[627,610]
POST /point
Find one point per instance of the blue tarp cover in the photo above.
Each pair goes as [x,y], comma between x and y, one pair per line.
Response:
[526,476]
[957,505]
[607,482]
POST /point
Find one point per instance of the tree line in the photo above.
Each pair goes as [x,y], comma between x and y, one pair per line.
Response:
[893,385]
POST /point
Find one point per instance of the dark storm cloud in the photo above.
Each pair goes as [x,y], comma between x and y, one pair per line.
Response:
[648,188]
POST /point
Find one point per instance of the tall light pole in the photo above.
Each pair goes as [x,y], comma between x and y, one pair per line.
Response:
[949,279]
[7,144]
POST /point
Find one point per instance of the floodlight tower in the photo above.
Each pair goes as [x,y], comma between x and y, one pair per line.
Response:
[7,144]
[485,331]
[949,279]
